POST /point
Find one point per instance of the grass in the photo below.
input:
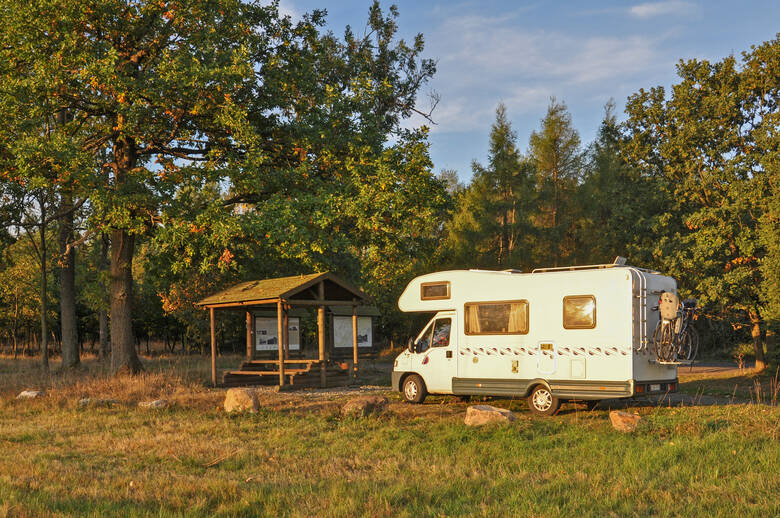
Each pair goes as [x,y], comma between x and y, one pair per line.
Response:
[734,383]
[297,457]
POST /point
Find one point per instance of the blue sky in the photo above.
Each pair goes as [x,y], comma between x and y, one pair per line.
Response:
[521,53]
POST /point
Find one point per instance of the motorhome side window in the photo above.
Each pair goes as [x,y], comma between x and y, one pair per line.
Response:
[435,290]
[441,332]
[579,312]
[497,318]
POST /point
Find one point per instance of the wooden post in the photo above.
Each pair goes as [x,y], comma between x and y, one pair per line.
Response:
[354,343]
[249,344]
[287,332]
[279,336]
[321,335]
[213,349]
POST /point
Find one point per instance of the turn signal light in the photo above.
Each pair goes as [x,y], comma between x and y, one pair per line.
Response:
[639,389]
[672,387]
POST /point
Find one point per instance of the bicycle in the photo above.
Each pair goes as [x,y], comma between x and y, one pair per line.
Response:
[674,338]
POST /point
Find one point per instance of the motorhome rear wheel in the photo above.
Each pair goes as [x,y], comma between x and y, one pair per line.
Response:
[542,402]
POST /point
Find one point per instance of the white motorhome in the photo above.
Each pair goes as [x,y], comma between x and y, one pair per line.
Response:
[579,333]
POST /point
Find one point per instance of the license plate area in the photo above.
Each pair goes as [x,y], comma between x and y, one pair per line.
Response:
[655,387]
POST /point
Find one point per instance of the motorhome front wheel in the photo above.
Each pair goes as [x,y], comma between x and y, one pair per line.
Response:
[542,402]
[414,389]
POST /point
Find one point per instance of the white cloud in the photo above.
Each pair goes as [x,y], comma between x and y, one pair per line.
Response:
[485,60]
[653,9]
[286,8]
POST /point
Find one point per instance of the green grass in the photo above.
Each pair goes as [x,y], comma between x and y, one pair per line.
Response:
[297,457]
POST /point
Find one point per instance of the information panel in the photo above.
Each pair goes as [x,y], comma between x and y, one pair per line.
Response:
[266,335]
[342,332]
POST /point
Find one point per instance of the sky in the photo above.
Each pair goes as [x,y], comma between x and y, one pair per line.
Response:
[523,53]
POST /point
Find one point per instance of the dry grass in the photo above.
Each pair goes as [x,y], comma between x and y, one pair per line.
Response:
[298,458]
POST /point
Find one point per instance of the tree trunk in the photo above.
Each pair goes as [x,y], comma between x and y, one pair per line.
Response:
[758,345]
[14,329]
[771,342]
[123,355]
[103,313]
[44,293]
[103,334]
[68,319]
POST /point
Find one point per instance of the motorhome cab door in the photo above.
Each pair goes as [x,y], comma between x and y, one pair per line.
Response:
[434,353]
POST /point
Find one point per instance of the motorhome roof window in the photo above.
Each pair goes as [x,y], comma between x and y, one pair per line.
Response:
[497,318]
[435,290]
[579,312]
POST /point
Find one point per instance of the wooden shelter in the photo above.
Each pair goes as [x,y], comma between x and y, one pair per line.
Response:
[318,290]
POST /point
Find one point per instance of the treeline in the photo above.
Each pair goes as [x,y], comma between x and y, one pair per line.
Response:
[152,153]
[687,184]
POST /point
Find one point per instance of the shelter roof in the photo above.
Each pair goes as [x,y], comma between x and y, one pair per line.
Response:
[297,288]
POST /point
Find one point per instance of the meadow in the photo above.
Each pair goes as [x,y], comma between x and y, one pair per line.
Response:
[298,457]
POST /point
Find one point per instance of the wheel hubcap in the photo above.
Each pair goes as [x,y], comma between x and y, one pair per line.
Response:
[542,400]
[410,389]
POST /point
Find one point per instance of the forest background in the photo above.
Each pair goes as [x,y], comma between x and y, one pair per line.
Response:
[152,153]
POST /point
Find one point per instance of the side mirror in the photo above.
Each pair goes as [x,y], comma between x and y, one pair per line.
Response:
[410,345]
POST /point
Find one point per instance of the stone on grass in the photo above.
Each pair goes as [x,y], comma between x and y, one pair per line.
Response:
[241,400]
[362,406]
[623,421]
[97,402]
[157,403]
[478,415]
[29,394]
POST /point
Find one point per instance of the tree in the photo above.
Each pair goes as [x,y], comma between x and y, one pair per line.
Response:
[617,203]
[162,85]
[493,215]
[555,151]
[451,181]
[341,186]
[706,148]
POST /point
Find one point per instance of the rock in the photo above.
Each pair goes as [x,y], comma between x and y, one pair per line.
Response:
[241,400]
[478,415]
[97,402]
[362,406]
[29,394]
[623,421]
[157,403]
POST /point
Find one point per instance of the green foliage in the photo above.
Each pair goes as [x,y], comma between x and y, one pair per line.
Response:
[617,204]
[705,148]
[555,152]
[492,224]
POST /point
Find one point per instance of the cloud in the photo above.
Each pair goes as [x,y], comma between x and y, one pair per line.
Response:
[653,9]
[485,60]
[286,8]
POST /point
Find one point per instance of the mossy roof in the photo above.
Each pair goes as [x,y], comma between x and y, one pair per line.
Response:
[285,288]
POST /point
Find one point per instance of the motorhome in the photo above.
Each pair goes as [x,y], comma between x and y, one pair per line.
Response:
[554,334]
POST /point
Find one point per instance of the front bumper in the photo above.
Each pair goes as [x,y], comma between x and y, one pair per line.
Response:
[396,380]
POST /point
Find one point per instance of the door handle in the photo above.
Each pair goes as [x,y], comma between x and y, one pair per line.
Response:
[449,354]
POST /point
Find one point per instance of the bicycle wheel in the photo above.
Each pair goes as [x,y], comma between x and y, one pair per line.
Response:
[684,347]
[657,340]
[663,340]
[668,345]
[692,338]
